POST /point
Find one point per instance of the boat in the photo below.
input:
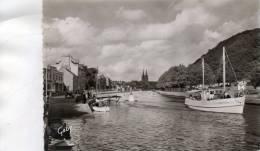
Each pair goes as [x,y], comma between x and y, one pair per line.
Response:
[209,100]
[101,103]
[173,94]
[101,109]
[62,145]
[131,97]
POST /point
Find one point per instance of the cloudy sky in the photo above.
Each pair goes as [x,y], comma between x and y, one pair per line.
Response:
[122,37]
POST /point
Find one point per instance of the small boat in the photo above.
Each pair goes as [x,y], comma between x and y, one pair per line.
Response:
[131,97]
[101,109]
[207,100]
[62,145]
[173,94]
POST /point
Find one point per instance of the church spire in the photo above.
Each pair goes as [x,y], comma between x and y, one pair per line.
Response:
[146,75]
[143,76]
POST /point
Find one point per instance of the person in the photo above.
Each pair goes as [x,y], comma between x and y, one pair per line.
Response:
[86,94]
[211,95]
[83,96]
[89,95]
[226,95]
[91,103]
[207,95]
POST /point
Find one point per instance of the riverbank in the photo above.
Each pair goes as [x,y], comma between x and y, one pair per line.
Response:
[253,99]
[60,109]
[66,108]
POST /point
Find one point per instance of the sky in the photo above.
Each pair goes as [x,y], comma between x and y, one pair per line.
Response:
[123,37]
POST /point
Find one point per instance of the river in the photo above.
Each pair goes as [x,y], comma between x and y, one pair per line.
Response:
[156,122]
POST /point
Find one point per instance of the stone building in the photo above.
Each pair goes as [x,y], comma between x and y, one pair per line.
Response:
[82,77]
[54,78]
[145,77]
[70,69]
[70,80]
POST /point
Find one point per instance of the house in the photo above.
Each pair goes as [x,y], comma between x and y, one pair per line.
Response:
[70,80]
[54,80]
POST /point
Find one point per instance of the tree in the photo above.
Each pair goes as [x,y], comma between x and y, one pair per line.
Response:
[176,76]
[195,74]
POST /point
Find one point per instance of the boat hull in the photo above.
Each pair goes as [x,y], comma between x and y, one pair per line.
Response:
[101,109]
[173,94]
[229,105]
[131,98]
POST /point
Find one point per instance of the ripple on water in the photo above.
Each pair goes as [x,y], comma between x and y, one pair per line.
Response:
[159,123]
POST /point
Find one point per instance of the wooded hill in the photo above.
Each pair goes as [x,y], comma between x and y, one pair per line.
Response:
[243,50]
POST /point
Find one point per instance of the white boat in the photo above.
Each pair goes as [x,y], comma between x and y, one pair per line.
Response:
[172,94]
[101,104]
[207,101]
[131,97]
[229,105]
[101,109]
[84,108]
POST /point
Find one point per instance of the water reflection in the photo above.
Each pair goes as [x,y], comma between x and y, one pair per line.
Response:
[252,128]
[159,123]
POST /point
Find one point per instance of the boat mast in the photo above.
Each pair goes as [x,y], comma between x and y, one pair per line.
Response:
[97,82]
[46,83]
[203,74]
[224,70]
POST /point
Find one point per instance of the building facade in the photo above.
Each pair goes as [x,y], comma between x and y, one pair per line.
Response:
[54,80]
[76,76]
[82,77]
[70,80]
[70,69]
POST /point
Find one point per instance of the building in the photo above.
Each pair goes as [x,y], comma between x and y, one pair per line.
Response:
[82,77]
[145,77]
[70,80]
[70,69]
[54,78]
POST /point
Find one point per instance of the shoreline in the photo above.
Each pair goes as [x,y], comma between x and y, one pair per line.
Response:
[66,108]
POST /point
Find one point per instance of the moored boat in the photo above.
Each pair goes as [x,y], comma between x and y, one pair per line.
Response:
[61,145]
[227,105]
[208,100]
[101,109]
[131,98]
[173,94]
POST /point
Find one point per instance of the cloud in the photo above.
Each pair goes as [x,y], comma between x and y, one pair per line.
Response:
[187,4]
[130,14]
[210,38]
[229,28]
[146,36]
[113,34]
[122,59]
[73,31]
[217,3]
[258,18]
[113,50]
[193,16]
[153,45]
[212,35]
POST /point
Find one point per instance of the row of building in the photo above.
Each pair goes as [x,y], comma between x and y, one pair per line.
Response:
[68,75]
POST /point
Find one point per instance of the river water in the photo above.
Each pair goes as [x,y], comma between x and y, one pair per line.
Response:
[156,122]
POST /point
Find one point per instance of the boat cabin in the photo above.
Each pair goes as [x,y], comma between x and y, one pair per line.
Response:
[212,94]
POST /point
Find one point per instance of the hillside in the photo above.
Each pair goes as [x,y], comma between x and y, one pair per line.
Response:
[243,50]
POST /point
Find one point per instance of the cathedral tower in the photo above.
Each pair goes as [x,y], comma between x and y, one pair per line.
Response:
[145,77]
